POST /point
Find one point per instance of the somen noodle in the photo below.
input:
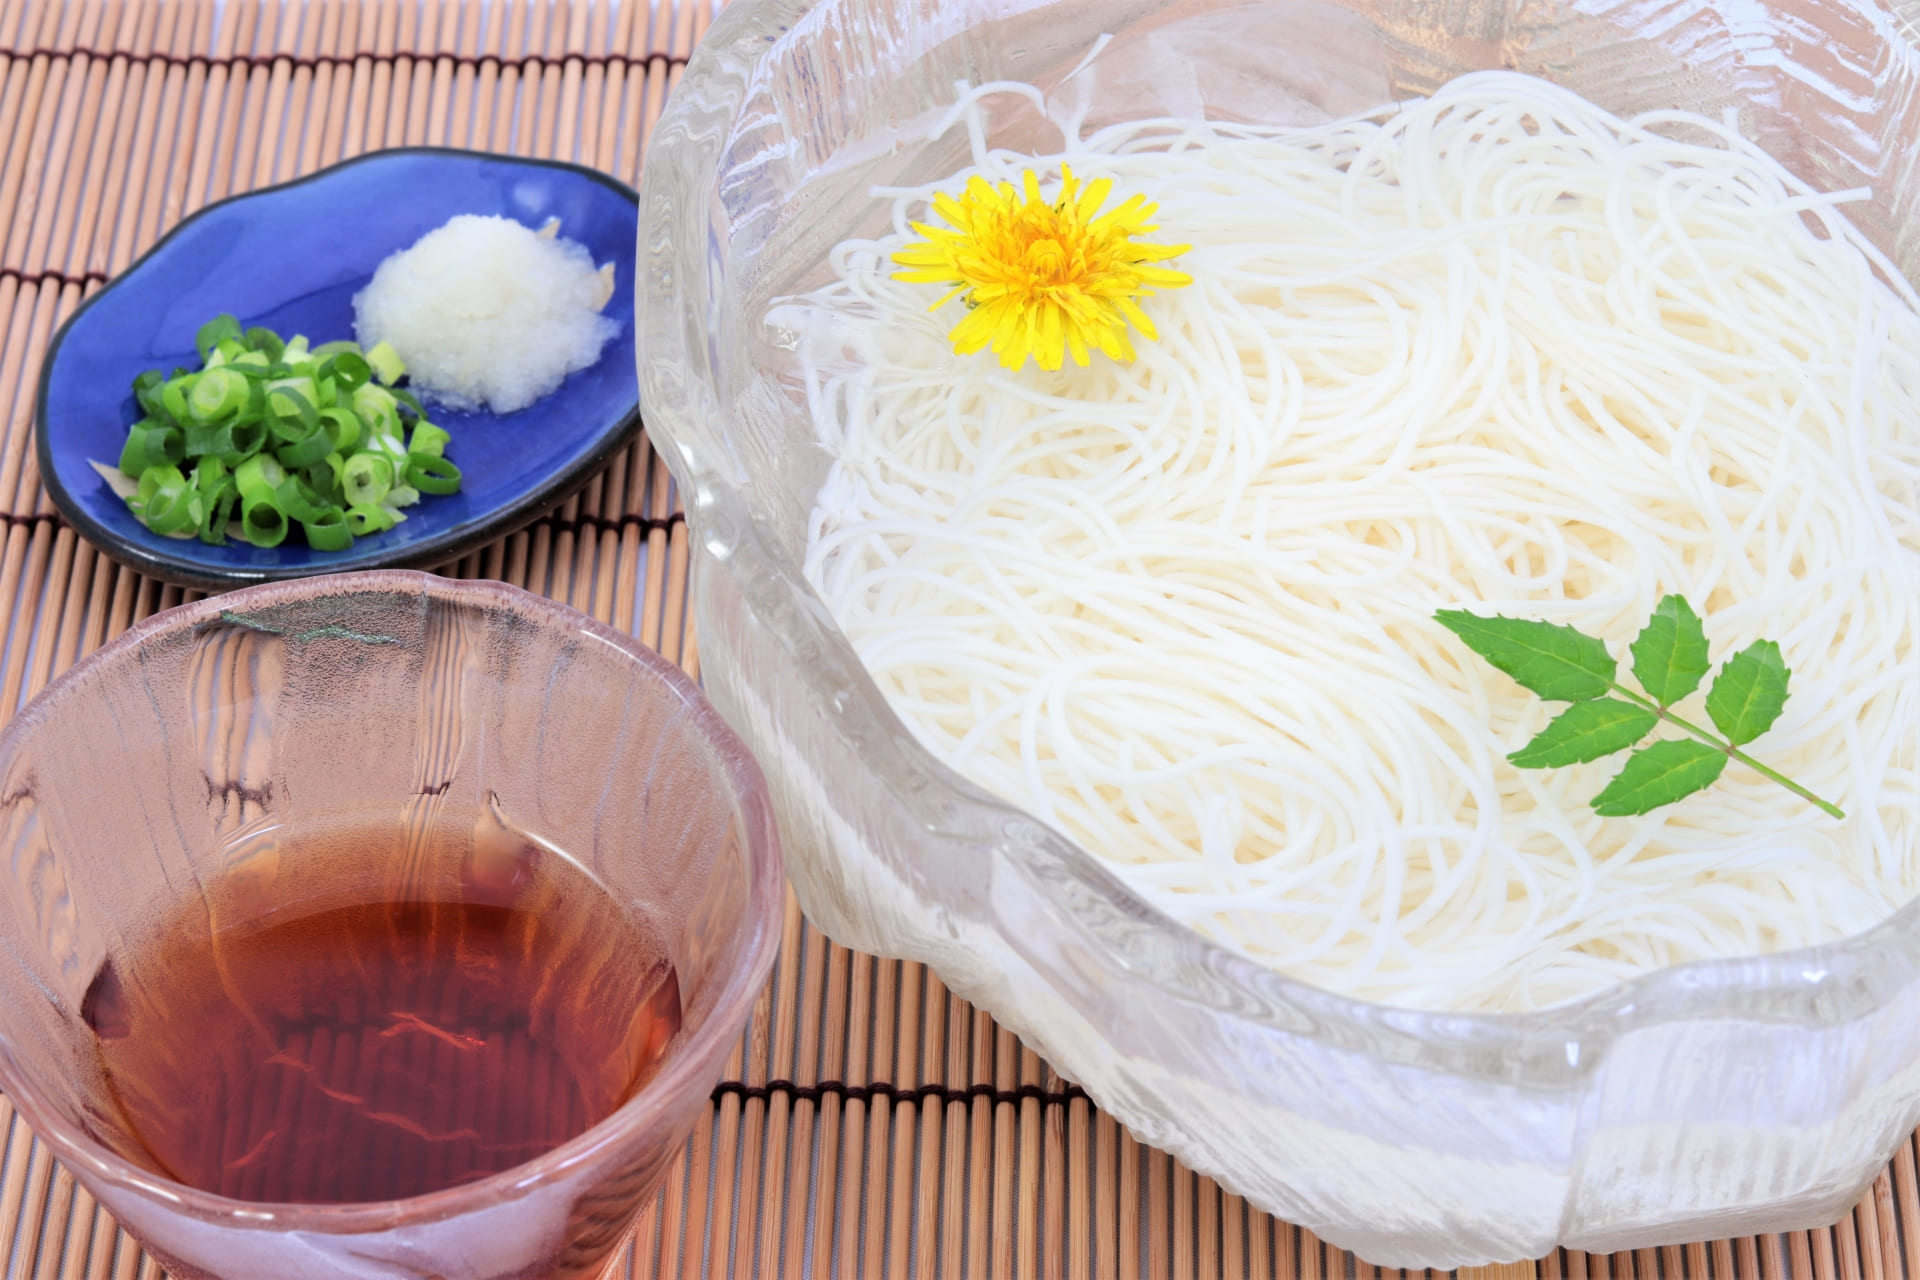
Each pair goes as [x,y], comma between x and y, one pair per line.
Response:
[1496,349]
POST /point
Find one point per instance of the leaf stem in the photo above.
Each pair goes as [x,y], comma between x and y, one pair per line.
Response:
[1714,740]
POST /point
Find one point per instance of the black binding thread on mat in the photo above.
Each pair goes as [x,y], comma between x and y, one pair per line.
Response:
[816,1093]
[315,61]
[34,279]
[612,524]
[579,524]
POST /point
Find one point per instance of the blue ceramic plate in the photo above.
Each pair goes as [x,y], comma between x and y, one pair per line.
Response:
[291,258]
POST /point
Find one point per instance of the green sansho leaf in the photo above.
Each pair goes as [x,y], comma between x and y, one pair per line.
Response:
[1669,660]
[1658,774]
[1748,694]
[1558,663]
[1670,655]
[1586,731]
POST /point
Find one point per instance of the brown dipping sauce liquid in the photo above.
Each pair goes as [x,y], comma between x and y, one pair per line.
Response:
[371,1017]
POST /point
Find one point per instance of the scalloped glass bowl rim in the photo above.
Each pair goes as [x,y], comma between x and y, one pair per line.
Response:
[1829,984]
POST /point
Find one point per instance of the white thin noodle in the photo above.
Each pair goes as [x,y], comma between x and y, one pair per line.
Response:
[1498,349]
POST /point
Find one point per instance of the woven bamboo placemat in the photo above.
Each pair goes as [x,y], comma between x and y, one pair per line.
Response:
[871,1124]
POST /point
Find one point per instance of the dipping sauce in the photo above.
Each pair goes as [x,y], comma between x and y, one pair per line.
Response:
[430,1016]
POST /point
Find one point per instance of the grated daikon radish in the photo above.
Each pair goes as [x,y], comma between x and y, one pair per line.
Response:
[488,313]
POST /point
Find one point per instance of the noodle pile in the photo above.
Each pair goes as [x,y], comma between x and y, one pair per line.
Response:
[1495,349]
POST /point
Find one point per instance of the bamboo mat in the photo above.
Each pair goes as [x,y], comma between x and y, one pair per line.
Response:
[871,1124]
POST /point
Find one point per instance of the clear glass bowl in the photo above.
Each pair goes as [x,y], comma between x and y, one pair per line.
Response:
[183,753]
[1707,1100]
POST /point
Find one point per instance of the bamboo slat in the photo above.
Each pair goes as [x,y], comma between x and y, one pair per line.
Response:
[872,1124]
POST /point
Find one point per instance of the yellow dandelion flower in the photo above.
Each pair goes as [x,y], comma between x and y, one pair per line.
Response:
[1042,278]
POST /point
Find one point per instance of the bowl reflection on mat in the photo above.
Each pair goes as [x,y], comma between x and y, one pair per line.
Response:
[181,753]
[1708,1100]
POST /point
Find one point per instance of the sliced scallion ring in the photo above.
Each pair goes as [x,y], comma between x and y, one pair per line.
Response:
[266,342]
[215,331]
[428,439]
[263,522]
[151,443]
[342,427]
[300,454]
[146,390]
[328,531]
[348,369]
[366,478]
[431,474]
[209,439]
[364,521]
[168,504]
[248,439]
[216,513]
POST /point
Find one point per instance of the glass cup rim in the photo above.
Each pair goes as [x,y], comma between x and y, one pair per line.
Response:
[655,1103]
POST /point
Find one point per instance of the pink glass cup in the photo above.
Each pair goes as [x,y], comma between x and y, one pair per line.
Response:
[124,786]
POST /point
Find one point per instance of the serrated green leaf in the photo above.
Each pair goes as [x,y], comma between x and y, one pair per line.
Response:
[1660,773]
[1748,694]
[1556,662]
[1586,731]
[1670,654]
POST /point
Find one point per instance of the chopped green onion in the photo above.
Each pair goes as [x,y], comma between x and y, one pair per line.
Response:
[376,408]
[432,474]
[290,414]
[390,447]
[292,496]
[217,496]
[302,454]
[385,363]
[216,517]
[428,439]
[341,426]
[258,474]
[263,522]
[215,331]
[366,479]
[266,342]
[173,397]
[204,440]
[348,369]
[318,476]
[329,531]
[283,433]
[168,504]
[211,474]
[219,393]
[146,390]
[151,443]
[248,439]
[365,520]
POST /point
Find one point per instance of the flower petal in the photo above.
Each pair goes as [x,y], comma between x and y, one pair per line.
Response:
[1042,279]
